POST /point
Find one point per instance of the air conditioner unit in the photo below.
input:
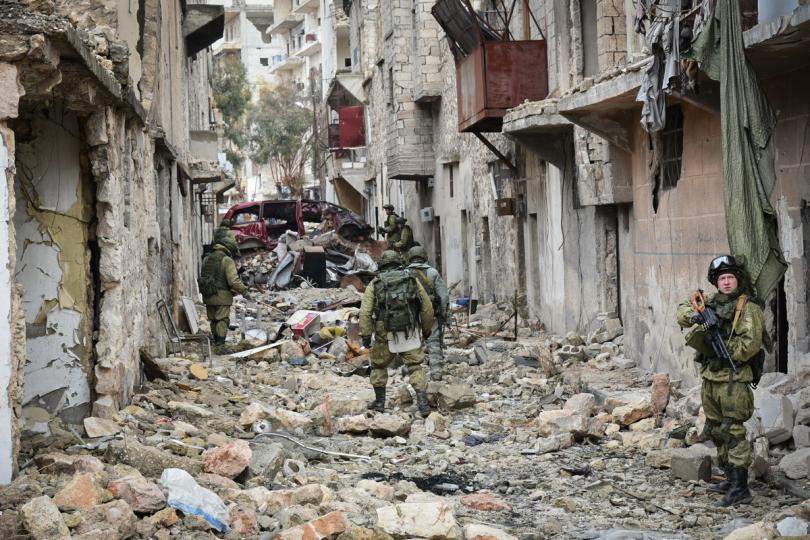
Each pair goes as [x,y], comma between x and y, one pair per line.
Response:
[426,214]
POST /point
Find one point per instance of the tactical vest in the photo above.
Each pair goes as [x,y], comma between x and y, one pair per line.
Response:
[212,278]
[395,295]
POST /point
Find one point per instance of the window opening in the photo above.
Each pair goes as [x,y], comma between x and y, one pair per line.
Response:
[667,154]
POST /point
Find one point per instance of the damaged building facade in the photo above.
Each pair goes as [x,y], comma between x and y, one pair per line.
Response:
[106,155]
[563,196]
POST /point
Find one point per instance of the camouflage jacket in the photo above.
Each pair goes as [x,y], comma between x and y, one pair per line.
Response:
[224,275]
[743,345]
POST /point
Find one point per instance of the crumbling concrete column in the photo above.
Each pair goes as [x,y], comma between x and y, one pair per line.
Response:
[12,330]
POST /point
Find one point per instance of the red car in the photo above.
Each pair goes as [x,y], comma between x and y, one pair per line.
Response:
[260,223]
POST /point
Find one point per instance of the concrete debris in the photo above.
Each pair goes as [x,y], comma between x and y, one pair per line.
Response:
[796,464]
[775,414]
[435,520]
[42,519]
[520,442]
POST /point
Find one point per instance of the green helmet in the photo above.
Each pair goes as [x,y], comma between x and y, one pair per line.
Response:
[417,252]
[725,264]
[230,245]
[389,258]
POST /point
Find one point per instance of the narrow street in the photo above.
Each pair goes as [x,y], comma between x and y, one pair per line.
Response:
[404,269]
[539,437]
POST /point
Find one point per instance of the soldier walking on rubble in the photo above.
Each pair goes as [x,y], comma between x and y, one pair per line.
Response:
[396,305]
[218,281]
[728,400]
[390,227]
[436,289]
[405,241]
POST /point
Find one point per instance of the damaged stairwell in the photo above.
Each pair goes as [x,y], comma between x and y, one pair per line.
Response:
[53,265]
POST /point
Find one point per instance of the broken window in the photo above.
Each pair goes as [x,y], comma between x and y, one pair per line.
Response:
[672,150]
[666,152]
[263,61]
[590,50]
[246,215]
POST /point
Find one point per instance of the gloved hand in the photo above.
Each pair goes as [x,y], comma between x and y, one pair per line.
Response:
[366,341]
[246,296]
[697,318]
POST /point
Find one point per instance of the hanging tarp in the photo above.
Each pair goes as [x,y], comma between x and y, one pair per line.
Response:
[748,124]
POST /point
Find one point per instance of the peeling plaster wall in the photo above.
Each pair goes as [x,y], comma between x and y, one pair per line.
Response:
[51,223]
[123,167]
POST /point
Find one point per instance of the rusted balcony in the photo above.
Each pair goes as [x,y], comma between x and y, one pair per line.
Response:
[494,72]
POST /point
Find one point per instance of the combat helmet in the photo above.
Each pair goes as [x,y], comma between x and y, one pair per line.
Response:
[417,252]
[725,264]
[389,258]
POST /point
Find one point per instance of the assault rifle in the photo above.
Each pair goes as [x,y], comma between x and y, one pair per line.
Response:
[706,317]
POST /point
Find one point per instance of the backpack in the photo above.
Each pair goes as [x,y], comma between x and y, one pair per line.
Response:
[394,294]
[757,363]
[208,281]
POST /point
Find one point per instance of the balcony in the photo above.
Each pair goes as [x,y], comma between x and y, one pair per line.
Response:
[494,73]
[286,24]
[305,6]
[283,62]
[310,45]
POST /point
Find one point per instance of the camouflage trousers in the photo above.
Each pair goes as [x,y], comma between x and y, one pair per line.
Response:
[727,405]
[381,357]
[219,317]
[434,352]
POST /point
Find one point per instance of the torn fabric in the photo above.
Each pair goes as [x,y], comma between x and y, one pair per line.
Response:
[748,123]
[662,37]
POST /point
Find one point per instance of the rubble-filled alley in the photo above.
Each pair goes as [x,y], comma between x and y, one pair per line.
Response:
[541,436]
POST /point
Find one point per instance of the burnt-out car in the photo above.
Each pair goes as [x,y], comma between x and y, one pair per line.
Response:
[260,223]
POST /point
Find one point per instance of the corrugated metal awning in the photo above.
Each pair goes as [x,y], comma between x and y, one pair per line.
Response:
[346,90]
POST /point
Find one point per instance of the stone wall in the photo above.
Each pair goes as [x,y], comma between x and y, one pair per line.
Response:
[611,30]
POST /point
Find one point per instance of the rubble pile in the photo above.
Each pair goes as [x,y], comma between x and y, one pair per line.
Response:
[531,436]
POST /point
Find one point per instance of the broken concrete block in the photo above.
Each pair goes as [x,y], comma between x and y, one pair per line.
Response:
[244,521]
[760,465]
[559,421]
[434,519]
[571,352]
[455,396]
[659,459]
[142,495]
[632,412]
[485,502]
[100,427]
[252,414]
[793,527]
[150,461]
[189,410]
[80,492]
[478,531]
[778,383]
[659,395]
[582,403]
[198,371]
[42,519]
[10,90]
[323,528]
[801,436]
[690,464]
[756,531]
[389,425]
[229,460]
[352,424]
[795,464]
[105,407]
[289,419]
[775,413]
[266,460]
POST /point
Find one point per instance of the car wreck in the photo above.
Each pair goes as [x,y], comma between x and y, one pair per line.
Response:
[259,224]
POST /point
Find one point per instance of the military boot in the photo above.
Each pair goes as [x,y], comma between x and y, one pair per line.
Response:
[738,493]
[379,399]
[422,404]
[725,485]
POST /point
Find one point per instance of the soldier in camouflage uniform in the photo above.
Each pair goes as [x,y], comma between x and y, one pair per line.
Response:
[218,282]
[372,322]
[728,400]
[434,285]
[391,227]
[405,241]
